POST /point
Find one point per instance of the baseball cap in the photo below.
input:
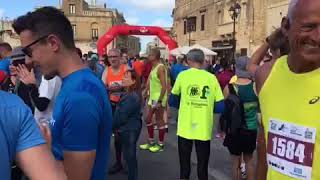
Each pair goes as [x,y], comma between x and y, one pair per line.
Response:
[17,54]
[241,67]
[93,57]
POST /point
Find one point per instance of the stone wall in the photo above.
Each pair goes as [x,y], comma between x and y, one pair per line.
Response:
[257,19]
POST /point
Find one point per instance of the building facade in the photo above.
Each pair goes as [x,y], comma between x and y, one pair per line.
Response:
[208,23]
[7,33]
[91,21]
[276,10]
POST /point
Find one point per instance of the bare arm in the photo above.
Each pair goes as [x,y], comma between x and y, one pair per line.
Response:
[162,78]
[38,163]
[257,57]
[262,166]
[104,75]
[226,91]
[79,165]
[262,75]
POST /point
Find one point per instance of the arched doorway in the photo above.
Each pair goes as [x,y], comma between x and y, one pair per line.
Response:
[134,30]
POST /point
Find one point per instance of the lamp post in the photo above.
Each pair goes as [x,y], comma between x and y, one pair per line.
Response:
[234,12]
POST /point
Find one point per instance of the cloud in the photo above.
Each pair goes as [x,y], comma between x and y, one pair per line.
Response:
[161,22]
[1,13]
[151,4]
[132,20]
[132,17]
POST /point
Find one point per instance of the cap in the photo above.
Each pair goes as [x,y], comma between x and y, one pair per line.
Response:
[241,67]
[93,57]
[17,54]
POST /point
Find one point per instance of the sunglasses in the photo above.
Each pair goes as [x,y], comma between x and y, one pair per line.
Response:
[27,49]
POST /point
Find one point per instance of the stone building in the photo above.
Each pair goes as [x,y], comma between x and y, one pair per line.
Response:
[7,33]
[91,21]
[211,25]
[276,10]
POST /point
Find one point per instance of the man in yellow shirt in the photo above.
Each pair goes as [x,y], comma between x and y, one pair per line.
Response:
[200,95]
[157,101]
[289,94]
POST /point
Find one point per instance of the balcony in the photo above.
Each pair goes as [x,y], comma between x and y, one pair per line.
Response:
[97,13]
[226,28]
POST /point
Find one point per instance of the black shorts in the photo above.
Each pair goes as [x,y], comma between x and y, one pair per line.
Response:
[242,142]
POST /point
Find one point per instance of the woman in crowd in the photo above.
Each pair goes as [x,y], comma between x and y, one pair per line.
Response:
[127,120]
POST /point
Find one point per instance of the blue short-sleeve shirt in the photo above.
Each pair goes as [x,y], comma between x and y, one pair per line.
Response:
[82,119]
[4,65]
[18,131]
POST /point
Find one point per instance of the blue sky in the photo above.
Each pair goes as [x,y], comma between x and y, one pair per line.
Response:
[136,12]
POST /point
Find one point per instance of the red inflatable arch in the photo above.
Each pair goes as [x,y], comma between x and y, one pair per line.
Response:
[134,30]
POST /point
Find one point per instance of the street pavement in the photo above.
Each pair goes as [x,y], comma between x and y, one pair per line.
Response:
[165,165]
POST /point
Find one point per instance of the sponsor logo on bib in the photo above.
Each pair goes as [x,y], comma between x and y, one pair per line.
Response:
[314,100]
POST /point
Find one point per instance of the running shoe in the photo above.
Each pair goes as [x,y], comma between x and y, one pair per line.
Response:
[243,171]
[156,148]
[115,168]
[146,146]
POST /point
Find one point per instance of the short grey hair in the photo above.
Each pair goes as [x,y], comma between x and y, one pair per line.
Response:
[196,55]
[291,9]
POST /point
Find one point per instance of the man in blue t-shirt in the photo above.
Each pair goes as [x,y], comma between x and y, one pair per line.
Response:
[176,69]
[174,101]
[21,140]
[82,121]
[93,63]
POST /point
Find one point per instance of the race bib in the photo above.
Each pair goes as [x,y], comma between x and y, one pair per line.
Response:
[115,83]
[290,149]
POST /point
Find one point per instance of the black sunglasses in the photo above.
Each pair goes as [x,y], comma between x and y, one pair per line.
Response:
[27,50]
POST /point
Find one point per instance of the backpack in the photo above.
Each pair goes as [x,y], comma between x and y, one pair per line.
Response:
[233,115]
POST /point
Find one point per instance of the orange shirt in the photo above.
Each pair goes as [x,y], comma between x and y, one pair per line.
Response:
[115,80]
[138,66]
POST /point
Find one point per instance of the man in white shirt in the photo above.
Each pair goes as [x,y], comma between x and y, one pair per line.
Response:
[48,89]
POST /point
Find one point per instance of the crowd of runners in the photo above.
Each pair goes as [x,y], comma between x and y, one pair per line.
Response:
[60,108]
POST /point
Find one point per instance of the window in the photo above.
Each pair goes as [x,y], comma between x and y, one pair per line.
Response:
[74,29]
[95,34]
[72,8]
[192,24]
[202,22]
[184,27]
[244,51]
[219,17]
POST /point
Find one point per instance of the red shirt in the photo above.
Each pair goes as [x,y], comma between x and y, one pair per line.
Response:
[224,78]
[2,76]
[147,70]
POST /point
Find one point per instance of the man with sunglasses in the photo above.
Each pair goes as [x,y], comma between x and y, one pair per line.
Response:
[81,120]
[112,77]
